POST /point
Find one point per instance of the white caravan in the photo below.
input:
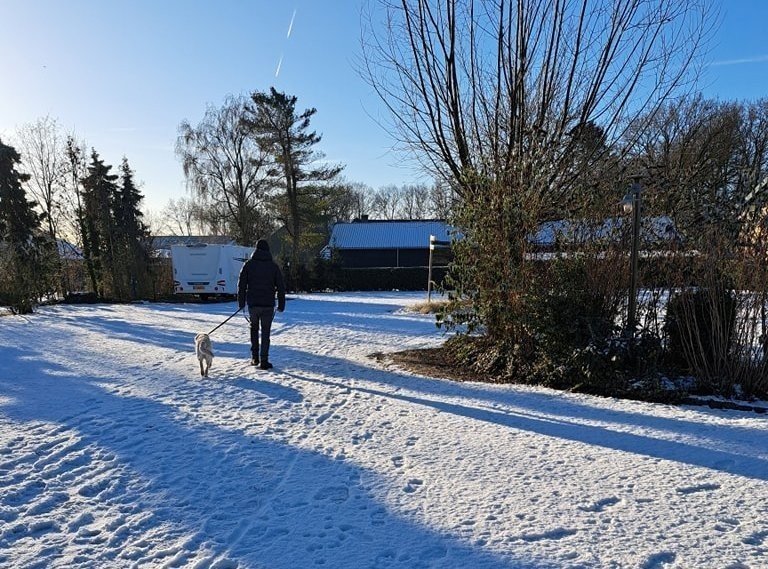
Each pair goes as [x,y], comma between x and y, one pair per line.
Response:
[207,270]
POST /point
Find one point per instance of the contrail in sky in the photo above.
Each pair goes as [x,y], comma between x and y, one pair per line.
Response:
[290,29]
[290,26]
[279,63]
[757,59]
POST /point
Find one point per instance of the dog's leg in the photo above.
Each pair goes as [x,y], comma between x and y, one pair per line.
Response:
[203,373]
[207,367]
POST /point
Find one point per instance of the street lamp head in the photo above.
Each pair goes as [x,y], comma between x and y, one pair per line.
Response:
[628,203]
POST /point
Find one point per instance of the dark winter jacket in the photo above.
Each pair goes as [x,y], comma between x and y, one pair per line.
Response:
[260,278]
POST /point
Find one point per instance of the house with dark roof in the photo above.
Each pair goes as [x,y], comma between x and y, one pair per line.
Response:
[366,244]
[388,254]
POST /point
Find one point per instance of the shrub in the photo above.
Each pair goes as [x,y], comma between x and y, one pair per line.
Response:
[699,330]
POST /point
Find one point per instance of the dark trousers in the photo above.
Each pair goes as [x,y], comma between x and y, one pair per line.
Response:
[261,320]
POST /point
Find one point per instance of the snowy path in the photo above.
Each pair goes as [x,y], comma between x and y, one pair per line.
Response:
[114,453]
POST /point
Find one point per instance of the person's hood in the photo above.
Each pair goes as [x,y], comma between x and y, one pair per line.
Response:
[260,255]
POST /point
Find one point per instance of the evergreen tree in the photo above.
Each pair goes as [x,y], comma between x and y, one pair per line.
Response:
[132,236]
[20,252]
[99,190]
[75,169]
[276,125]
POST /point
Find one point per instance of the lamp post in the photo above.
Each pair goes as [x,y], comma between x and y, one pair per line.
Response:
[432,239]
[632,203]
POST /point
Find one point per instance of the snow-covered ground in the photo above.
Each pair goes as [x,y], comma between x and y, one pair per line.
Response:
[115,453]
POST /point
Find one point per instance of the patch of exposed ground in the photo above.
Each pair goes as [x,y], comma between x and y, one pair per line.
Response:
[432,362]
[437,363]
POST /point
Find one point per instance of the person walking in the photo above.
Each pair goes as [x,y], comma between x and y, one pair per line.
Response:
[260,280]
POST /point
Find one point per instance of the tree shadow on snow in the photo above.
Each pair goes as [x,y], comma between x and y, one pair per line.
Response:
[173,488]
[537,413]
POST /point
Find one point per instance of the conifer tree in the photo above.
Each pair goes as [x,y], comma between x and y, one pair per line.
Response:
[20,251]
[75,169]
[99,190]
[279,129]
[132,235]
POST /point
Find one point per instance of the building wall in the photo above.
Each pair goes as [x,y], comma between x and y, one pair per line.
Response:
[366,258]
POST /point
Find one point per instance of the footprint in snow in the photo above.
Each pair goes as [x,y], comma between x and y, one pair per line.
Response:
[659,560]
[727,524]
[398,461]
[698,488]
[25,494]
[600,505]
[48,504]
[433,552]
[225,564]
[93,489]
[332,493]
[81,521]
[557,533]
[757,538]
[323,417]
[378,517]
[361,438]
[413,485]
[385,559]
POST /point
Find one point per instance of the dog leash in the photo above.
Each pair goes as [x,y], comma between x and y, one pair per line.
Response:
[227,320]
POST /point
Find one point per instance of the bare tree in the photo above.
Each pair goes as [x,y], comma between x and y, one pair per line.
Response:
[409,201]
[752,165]
[707,160]
[520,105]
[228,169]
[689,148]
[362,195]
[492,89]
[42,150]
[342,202]
[183,216]
[415,201]
[386,202]
[442,200]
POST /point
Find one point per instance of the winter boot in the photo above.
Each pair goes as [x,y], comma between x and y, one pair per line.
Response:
[265,364]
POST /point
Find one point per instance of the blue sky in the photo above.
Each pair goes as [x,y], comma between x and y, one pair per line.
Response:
[122,75]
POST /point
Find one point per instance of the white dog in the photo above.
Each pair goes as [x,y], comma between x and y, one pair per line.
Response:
[204,352]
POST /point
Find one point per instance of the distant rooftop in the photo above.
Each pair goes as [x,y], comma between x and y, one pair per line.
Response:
[69,251]
[388,234]
[659,229]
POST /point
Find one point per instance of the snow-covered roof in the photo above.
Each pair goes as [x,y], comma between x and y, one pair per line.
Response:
[414,234]
[653,229]
[385,234]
